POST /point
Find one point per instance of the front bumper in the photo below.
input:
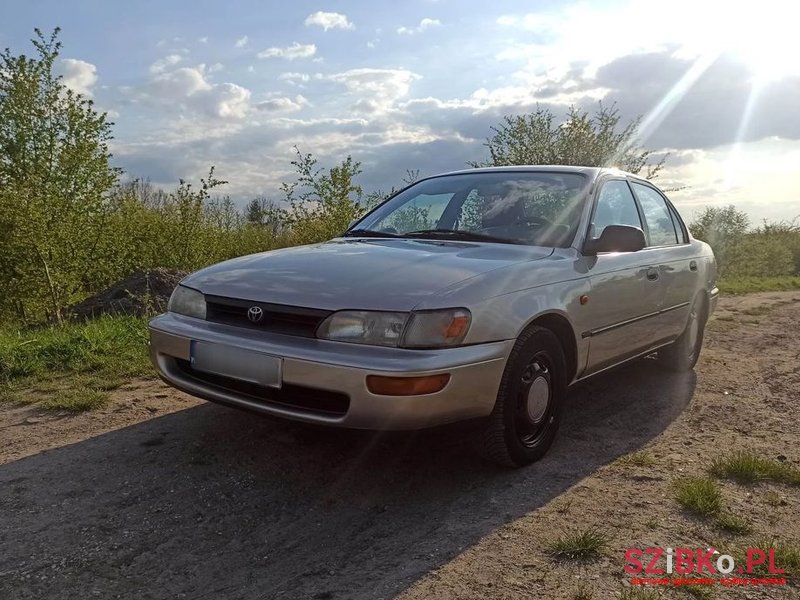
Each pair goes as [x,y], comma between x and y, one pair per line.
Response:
[341,368]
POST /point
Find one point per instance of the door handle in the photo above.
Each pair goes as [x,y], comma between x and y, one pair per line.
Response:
[652,274]
[693,265]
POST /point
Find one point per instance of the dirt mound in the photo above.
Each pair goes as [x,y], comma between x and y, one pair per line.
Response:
[143,293]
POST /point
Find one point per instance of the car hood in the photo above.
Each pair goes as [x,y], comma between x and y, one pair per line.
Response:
[382,274]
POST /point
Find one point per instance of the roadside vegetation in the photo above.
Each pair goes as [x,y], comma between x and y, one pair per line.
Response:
[73,366]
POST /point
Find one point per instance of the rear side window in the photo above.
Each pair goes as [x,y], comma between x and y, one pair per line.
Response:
[615,206]
[657,216]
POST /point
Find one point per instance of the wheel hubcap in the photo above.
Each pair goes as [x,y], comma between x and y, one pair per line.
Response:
[538,399]
[533,412]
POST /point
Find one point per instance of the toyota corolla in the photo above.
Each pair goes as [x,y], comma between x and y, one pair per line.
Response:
[480,294]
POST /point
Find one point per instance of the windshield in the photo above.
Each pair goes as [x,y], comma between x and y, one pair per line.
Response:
[535,208]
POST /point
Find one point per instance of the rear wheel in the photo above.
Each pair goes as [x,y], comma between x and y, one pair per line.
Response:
[682,355]
[527,412]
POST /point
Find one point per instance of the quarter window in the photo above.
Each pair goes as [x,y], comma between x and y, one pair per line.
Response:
[615,206]
[657,216]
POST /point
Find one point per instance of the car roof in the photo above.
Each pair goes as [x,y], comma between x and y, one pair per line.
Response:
[592,172]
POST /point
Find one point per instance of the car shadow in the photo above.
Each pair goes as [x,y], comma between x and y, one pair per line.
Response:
[215,503]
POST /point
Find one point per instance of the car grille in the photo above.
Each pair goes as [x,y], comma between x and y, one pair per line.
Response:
[297,397]
[276,318]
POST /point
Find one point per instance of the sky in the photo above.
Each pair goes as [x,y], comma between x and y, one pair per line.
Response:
[418,84]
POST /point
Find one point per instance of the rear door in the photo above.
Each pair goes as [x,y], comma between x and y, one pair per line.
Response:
[625,291]
[668,243]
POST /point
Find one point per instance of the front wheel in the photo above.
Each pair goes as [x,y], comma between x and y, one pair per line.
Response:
[527,412]
[683,353]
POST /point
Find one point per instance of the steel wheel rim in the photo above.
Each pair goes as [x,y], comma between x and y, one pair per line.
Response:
[535,401]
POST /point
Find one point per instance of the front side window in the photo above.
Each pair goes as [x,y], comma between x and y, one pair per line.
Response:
[615,206]
[535,208]
[656,215]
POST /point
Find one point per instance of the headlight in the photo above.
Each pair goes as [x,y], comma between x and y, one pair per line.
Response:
[437,328]
[427,329]
[186,301]
[364,327]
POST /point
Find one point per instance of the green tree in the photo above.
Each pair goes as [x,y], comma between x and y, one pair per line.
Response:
[54,176]
[596,140]
[723,228]
[322,203]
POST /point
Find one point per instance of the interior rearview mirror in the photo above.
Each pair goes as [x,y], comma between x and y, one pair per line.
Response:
[617,238]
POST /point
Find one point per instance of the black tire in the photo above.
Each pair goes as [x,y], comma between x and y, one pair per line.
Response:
[682,354]
[527,414]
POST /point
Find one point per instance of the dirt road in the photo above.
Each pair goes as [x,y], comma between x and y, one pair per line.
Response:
[208,502]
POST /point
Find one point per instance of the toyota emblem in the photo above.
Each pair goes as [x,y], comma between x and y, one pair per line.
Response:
[255,314]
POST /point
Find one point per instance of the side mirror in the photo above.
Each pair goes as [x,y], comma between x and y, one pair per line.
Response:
[617,238]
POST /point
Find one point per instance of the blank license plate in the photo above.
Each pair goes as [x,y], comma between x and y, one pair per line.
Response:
[238,363]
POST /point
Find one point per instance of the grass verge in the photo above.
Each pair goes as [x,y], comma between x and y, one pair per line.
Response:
[73,366]
[583,545]
[748,285]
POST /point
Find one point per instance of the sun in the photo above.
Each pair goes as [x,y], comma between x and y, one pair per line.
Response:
[762,35]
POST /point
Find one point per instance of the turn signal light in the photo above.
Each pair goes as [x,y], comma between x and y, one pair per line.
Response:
[406,386]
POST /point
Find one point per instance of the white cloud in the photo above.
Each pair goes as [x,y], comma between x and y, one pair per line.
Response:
[203,40]
[424,24]
[242,42]
[283,104]
[290,52]
[78,75]
[189,88]
[162,64]
[377,89]
[328,20]
[293,77]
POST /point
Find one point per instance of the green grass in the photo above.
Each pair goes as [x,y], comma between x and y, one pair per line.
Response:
[747,285]
[699,495]
[75,400]
[584,545]
[73,366]
[733,524]
[748,467]
[637,459]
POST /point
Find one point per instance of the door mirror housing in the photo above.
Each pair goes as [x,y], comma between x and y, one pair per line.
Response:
[617,238]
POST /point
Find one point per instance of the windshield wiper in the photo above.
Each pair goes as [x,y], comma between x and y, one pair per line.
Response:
[466,236]
[369,233]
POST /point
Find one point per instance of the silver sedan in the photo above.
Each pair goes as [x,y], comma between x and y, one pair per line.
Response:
[479,294]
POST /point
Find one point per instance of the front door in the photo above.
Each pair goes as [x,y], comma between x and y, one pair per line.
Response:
[625,286]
